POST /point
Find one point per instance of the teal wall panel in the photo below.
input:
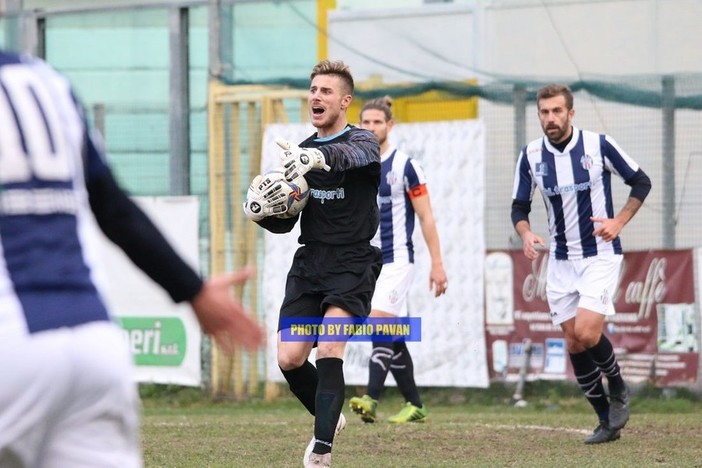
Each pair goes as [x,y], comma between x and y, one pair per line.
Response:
[137,131]
[143,173]
[3,28]
[120,59]
[274,40]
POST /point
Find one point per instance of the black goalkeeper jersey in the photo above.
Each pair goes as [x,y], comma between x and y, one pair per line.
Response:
[343,206]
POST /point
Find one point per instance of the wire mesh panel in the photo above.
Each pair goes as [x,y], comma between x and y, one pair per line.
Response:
[124,67]
[119,61]
[238,115]
[649,135]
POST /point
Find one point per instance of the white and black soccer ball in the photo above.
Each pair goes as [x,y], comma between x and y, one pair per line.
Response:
[296,192]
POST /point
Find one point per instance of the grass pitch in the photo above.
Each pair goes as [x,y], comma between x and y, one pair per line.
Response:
[460,432]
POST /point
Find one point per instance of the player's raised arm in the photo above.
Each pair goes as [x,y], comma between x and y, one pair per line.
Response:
[361,149]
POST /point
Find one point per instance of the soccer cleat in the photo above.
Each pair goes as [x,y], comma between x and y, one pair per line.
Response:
[365,406]
[410,413]
[603,433]
[315,460]
[619,409]
[340,425]
[308,451]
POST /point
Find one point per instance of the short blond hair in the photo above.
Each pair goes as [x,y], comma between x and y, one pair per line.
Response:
[337,68]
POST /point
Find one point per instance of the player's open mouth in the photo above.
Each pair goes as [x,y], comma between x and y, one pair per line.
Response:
[317,110]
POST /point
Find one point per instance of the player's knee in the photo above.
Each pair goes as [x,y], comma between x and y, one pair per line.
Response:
[330,349]
[587,338]
[289,361]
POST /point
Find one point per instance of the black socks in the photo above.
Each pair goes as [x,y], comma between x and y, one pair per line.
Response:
[589,378]
[329,401]
[303,384]
[378,368]
[402,369]
[603,356]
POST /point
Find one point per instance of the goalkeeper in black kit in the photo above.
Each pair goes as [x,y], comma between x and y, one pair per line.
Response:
[333,273]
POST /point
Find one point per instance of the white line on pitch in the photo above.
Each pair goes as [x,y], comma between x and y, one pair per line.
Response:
[535,428]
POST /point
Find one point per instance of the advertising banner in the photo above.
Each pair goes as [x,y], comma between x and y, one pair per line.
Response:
[164,337]
[451,349]
[655,332]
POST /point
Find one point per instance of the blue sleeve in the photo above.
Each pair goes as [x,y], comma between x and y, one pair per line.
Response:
[523,181]
[625,166]
[520,211]
[522,190]
[414,174]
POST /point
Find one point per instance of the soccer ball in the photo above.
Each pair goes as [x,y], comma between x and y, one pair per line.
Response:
[297,193]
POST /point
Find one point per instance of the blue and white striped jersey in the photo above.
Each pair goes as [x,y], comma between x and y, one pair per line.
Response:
[401,178]
[47,251]
[575,185]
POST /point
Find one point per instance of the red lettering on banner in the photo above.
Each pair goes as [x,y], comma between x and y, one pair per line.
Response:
[647,279]
[534,284]
[650,291]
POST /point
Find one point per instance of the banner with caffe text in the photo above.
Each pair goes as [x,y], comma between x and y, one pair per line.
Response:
[655,332]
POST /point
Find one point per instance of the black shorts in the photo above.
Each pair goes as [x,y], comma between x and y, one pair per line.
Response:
[323,275]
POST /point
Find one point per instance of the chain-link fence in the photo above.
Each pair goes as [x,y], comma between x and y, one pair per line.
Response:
[121,62]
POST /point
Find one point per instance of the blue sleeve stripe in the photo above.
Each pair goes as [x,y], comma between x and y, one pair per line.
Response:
[523,192]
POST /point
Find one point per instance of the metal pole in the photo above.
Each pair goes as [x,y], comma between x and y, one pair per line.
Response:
[519,101]
[668,127]
[215,65]
[518,397]
[179,112]
[29,33]
[13,12]
[41,37]
[99,119]
[226,41]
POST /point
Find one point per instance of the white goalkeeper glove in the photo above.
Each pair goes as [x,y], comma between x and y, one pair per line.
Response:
[299,161]
[264,198]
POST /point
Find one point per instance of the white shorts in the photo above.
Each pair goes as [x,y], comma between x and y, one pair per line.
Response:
[392,288]
[67,399]
[587,283]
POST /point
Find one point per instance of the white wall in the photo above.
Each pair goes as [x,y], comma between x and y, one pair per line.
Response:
[521,37]
[436,42]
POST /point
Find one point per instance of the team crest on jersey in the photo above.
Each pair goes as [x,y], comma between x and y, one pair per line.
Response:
[394,296]
[586,162]
[541,169]
[390,178]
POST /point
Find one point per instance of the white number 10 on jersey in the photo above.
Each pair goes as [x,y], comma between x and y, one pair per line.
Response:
[34,139]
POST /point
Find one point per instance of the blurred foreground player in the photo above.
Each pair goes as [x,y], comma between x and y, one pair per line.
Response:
[66,392]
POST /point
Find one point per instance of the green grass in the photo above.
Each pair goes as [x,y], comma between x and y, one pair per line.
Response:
[182,428]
